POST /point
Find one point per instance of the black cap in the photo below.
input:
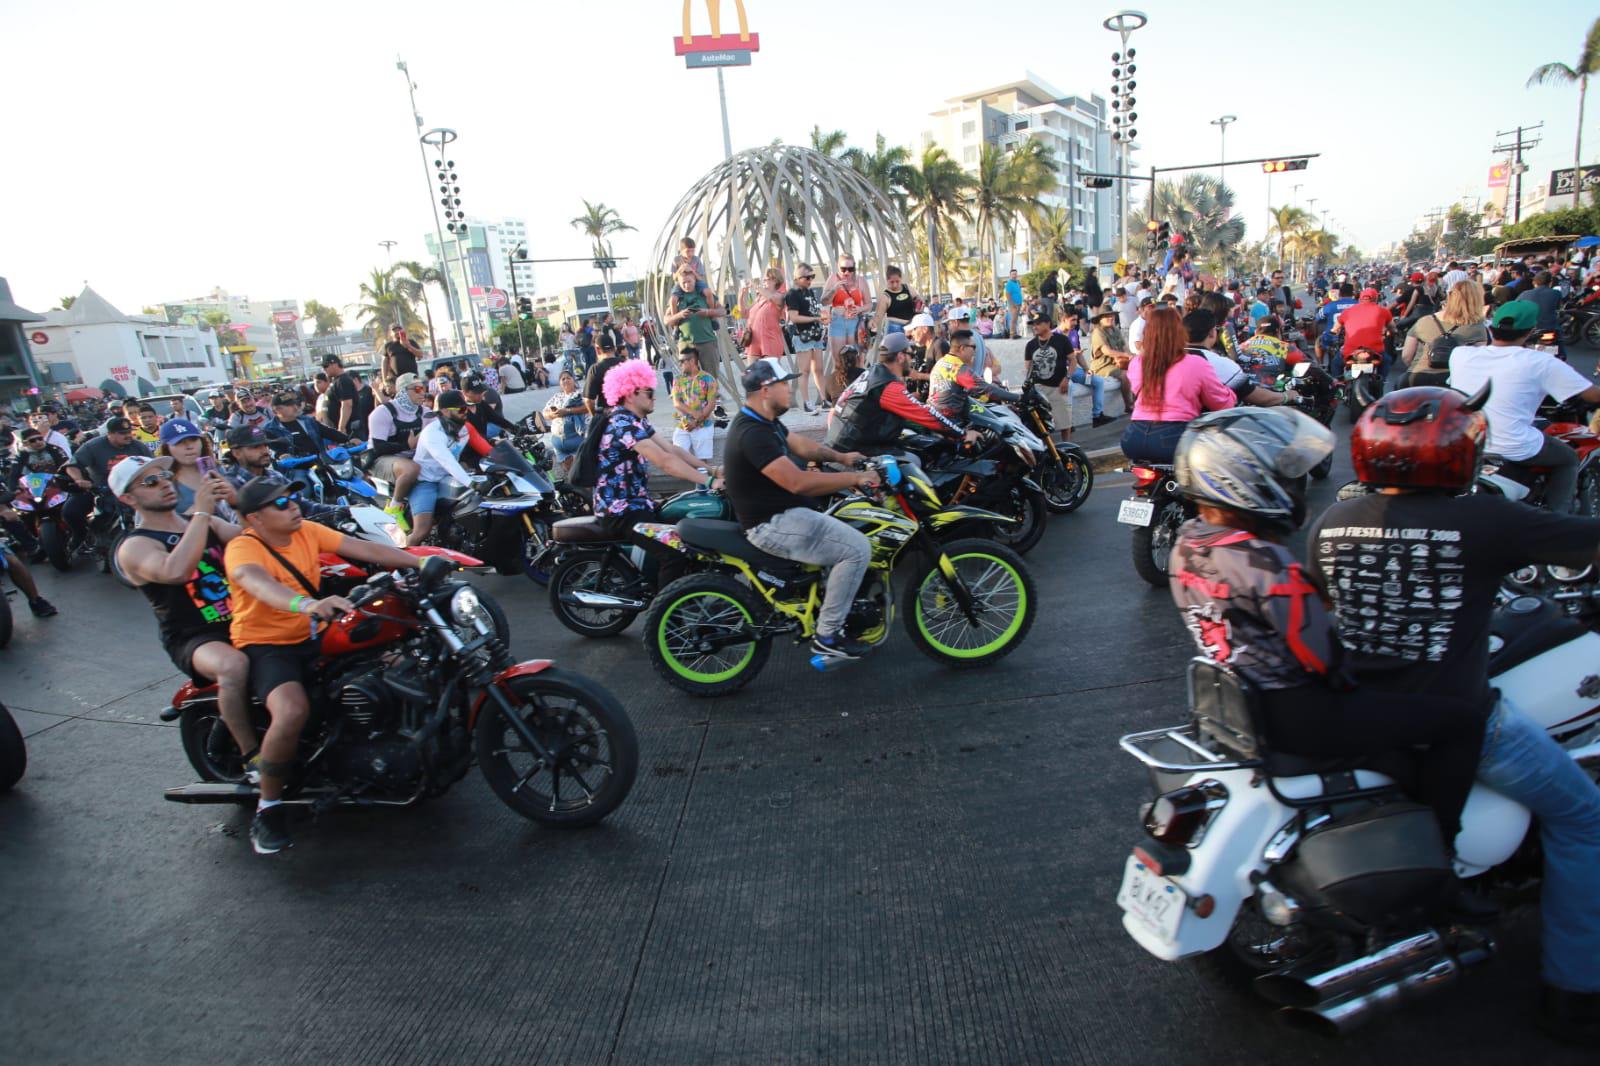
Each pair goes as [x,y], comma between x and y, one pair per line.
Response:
[285,399]
[472,383]
[330,360]
[1036,319]
[450,398]
[260,491]
[119,425]
[244,436]
[605,343]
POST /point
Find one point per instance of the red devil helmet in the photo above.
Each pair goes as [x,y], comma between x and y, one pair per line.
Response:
[1421,438]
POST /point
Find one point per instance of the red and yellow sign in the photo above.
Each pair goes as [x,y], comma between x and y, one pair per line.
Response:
[716,41]
[1498,175]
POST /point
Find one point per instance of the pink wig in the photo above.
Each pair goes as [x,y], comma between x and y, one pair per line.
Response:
[627,378]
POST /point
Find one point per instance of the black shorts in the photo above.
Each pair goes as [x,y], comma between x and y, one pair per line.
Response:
[272,665]
[182,652]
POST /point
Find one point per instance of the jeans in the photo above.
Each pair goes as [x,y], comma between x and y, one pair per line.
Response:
[1097,388]
[808,536]
[1562,480]
[1520,761]
[1152,442]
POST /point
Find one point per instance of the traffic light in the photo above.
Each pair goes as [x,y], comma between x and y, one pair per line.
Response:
[524,308]
[1164,234]
[1097,183]
[1274,166]
[1151,228]
[605,264]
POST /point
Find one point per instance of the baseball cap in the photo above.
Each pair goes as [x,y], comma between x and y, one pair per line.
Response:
[118,425]
[959,314]
[894,342]
[122,472]
[1416,276]
[1517,314]
[244,436]
[605,343]
[260,491]
[1036,319]
[284,399]
[404,382]
[921,319]
[1146,299]
[175,429]
[1369,294]
[472,383]
[766,371]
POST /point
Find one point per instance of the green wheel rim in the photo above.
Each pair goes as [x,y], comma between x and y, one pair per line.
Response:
[723,613]
[995,585]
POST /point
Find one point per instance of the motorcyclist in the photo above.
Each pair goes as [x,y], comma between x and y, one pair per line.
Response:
[953,384]
[870,413]
[275,577]
[392,431]
[250,453]
[297,433]
[1420,448]
[89,466]
[1522,378]
[439,448]
[1328,339]
[1366,325]
[628,441]
[1201,327]
[1248,604]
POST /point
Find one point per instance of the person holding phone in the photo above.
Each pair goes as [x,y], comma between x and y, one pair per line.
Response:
[194,465]
[400,355]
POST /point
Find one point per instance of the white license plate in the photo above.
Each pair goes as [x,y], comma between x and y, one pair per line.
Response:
[1151,898]
[1136,512]
[1357,369]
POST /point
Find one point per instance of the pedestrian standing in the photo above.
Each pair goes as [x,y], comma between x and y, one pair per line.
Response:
[400,355]
[1013,291]
[763,329]
[846,297]
[694,401]
[804,312]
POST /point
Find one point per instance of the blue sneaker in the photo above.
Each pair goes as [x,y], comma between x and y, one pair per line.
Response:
[839,646]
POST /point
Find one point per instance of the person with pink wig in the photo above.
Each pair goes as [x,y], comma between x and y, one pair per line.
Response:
[627,443]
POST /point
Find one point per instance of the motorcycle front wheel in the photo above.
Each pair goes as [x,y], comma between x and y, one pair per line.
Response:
[1152,544]
[592,571]
[1003,598]
[1591,332]
[1323,469]
[1067,481]
[13,752]
[591,755]
[53,539]
[691,635]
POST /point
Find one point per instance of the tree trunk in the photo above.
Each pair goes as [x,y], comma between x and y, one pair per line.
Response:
[933,255]
[1577,147]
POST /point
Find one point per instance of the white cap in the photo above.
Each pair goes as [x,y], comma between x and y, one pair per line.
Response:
[921,319]
[959,314]
[124,470]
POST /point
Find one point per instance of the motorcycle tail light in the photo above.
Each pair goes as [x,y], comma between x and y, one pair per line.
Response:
[1143,476]
[1179,818]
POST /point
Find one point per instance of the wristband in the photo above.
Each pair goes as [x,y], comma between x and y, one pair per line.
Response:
[294,604]
[200,514]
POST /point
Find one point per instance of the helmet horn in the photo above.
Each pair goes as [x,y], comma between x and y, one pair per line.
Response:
[1476,401]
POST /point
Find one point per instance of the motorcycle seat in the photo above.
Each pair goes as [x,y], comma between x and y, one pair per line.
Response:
[588,530]
[714,534]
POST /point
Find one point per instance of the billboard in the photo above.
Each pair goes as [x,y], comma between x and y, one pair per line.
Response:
[1561,180]
[1499,174]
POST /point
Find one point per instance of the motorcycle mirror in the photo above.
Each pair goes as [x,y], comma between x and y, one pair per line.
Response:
[435,569]
[1476,401]
[1301,369]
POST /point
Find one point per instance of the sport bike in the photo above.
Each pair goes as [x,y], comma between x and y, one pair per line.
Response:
[1065,473]
[998,473]
[1523,481]
[968,602]
[412,687]
[1155,511]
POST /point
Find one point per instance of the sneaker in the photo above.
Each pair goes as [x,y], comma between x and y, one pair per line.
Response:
[809,409]
[42,608]
[252,767]
[398,513]
[1571,1017]
[839,646]
[1103,420]
[269,831]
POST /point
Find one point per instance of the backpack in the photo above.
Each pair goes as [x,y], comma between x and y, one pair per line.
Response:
[1439,349]
[585,469]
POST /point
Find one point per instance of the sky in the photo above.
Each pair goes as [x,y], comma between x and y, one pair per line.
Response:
[162,149]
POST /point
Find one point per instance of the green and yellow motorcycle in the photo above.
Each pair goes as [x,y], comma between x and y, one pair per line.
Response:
[969,602]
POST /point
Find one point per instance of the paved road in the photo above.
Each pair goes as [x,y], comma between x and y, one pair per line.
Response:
[892,863]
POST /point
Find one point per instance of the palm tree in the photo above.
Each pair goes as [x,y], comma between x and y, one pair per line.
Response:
[423,277]
[599,221]
[935,192]
[1561,74]
[386,303]
[326,319]
[1200,208]
[219,323]
[1287,221]
[884,167]
[830,144]
[1005,188]
[67,302]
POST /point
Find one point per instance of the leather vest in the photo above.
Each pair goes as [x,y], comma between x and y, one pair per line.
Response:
[859,422]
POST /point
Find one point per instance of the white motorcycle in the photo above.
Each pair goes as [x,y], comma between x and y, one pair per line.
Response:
[1318,878]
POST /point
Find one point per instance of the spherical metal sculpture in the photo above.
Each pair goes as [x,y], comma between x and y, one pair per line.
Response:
[774,206]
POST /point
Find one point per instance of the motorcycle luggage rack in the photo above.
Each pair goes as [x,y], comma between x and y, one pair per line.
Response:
[1174,744]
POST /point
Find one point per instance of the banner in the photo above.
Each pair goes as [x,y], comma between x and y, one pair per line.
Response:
[1499,175]
[1561,180]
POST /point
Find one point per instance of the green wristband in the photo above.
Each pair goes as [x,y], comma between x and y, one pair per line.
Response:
[294,604]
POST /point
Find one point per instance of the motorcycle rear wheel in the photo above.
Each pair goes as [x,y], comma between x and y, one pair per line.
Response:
[209,746]
[53,539]
[591,571]
[1068,481]
[1000,584]
[1255,947]
[1029,506]
[1591,332]
[587,732]
[696,608]
[13,752]
[1152,544]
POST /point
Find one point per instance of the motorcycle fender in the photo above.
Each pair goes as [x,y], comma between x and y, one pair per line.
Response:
[523,669]
[1492,828]
[461,559]
[359,488]
[1220,866]
[1030,484]
[962,513]
[1557,688]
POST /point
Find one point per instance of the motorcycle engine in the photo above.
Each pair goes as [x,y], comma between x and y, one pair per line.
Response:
[372,747]
[868,610]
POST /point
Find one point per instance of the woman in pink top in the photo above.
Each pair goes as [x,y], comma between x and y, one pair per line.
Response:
[1171,388]
[766,333]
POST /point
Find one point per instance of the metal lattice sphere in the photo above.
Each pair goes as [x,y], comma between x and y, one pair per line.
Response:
[793,205]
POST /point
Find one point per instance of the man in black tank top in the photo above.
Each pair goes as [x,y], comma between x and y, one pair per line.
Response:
[177,564]
[897,304]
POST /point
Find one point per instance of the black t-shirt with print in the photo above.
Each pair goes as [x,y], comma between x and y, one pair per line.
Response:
[1413,579]
[752,444]
[803,301]
[344,388]
[402,358]
[1051,359]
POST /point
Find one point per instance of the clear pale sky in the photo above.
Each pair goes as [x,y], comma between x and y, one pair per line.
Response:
[159,149]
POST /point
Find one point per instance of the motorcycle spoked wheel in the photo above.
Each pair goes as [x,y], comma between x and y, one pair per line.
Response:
[1002,590]
[1067,481]
[13,752]
[53,539]
[588,735]
[1152,544]
[693,609]
[592,571]
[1029,506]
[208,745]
[490,610]
[1591,332]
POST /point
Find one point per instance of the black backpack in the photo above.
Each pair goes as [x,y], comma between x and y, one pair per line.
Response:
[586,464]
[1439,348]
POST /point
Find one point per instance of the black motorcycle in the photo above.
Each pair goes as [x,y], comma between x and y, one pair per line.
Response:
[999,473]
[13,752]
[1064,473]
[1318,397]
[506,521]
[1155,511]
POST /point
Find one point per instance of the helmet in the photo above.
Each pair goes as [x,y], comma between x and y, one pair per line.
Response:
[1421,438]
[1252,460]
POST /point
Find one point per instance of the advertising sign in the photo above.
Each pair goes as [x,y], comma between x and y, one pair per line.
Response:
[1561,180]
[743,41]
[1499,174]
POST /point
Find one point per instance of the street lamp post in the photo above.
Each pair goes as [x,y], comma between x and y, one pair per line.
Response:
[444,173]
[427,175]
[1123,23]
[1222,125]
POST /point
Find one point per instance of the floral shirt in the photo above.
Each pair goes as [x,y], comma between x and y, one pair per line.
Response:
[693,393]
[622,484]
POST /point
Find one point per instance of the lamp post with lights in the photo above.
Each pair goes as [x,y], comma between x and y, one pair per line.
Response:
[1123,68]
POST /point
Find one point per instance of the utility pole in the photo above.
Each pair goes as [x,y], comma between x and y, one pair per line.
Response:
[1516,148]
[516,297]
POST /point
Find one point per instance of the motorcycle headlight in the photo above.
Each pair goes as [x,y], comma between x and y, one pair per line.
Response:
[465,605]
[392,531]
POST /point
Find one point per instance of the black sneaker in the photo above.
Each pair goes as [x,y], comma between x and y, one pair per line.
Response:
[1571,1017]
[839,646]
[269,832]
[42,608]
[1104,420]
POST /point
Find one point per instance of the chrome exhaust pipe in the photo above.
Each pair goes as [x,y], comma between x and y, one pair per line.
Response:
[1342,1016]
[1401,957]
[586,598]
[231,792]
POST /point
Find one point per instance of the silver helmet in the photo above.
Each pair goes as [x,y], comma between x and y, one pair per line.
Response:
[1253,460]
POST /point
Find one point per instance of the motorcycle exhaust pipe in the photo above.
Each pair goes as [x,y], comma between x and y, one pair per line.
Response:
[231,792]
[1342,1016]
[1403,956]
[585,598]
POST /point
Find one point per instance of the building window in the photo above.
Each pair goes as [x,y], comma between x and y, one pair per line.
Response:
[1022,124]
[969,154]
[969,128]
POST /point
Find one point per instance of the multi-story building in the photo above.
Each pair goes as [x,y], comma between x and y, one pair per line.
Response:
[1074,130]
[93,343]
[265,333]
[478,264]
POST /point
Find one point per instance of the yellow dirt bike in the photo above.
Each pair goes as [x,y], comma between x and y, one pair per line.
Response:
[969,601]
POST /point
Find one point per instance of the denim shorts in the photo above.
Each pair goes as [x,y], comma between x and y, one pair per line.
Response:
[843,327]
[424,494]
[810,346]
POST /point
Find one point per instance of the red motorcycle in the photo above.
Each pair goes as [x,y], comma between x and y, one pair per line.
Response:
[1526,482]
[39,501]
[413,686]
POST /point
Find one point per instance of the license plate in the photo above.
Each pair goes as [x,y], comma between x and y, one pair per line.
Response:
[1151,898]
[1357,369]
[1136,512]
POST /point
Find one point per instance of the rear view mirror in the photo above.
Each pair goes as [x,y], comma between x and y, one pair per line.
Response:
[1301,369]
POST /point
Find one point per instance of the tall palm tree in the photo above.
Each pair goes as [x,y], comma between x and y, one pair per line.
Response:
[1052,232]
[830,144]
[935,196]
[1201,208]
[885,167]
[325,319]
[386,303]
[1287,221]
[423,276]
[1005,188]
[1561,74]
[599,221]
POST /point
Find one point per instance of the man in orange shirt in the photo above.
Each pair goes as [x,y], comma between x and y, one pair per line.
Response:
[274,573]
[1365,325]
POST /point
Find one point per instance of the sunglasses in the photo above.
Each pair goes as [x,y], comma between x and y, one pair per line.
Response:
[150,481]
[847,270]
[283,503]
[804,277]
[30,441]
[649,392]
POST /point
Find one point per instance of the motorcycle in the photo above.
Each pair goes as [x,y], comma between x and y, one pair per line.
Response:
[412,687]
[600,583]
[40,502]
[1523,481]
[333,474]
[1318,397]
[1363,381]
[1155,511]
[13,752]
[1316,878]
[1065,475]
[999,474]
[969,602]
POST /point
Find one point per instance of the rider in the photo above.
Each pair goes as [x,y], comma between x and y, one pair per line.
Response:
[1327,316]
[870,413]
[438,458]
[1366,325]
[772,498]
[274,573]
[392,431]
[1201,328]
[953,383]
[1522,378]
[301,434]
[628,441]
[250,449]
[1172,387]
[484,406]
[177,564]
[89,467]
[1421,448]
[23,577]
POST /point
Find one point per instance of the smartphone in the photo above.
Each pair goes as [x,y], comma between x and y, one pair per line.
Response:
[207,465]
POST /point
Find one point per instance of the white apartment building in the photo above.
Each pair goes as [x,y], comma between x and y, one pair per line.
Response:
[270,330]
[93,343]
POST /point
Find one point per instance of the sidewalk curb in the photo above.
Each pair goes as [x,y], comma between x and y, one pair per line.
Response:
[1104,459]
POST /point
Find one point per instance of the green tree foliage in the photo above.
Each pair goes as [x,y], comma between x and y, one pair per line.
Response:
[325,319]
[936,190]
[1562,74]
[1201,208]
